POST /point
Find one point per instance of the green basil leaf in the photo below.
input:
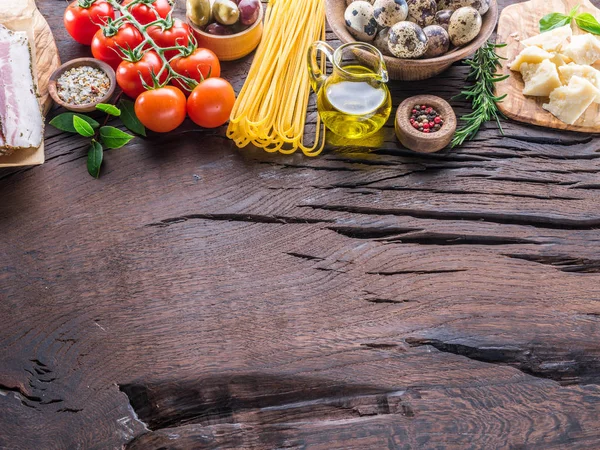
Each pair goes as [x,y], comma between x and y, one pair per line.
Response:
[113,137]
[94,159]
[553,20]
[64,122]
[82,127]
[129,118]
[109,109]
[587,22]
[573,11]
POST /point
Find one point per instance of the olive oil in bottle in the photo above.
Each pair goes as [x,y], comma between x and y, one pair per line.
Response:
[354,107]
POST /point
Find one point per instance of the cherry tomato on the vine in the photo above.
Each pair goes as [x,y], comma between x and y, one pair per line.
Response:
[201,64]
[177,34]
[83,18]
[106,48]
[128,73]
[161,109]
[210,103]
[145,13]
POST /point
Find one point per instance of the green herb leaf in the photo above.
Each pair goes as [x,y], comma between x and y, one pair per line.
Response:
[587,22]
[82,127]
[64,122]
[554,20]
[94,158]
[129,118]
[113,137]
[109,109]
[484,104]
[573,11]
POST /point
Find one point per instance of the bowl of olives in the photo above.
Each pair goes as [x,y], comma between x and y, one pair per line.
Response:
[419,39]
[230,28]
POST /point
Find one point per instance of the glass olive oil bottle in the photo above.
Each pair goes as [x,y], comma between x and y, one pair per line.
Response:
[354,101]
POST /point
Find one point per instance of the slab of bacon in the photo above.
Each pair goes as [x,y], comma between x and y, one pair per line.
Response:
[21,121]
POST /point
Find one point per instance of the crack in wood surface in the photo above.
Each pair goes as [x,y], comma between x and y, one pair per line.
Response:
[252,218]
[564,263]
[575,367]
[533,220]
[261,397]
[415,272]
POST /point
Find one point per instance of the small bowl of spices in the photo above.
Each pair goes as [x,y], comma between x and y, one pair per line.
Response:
[425,123]
[80,84]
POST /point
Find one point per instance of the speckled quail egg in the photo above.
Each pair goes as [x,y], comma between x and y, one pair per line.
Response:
[464,25]
[360,21]
[389,12]
[481,6]
[442,18]
[351,1]
[407,40]
[382,43]
[422,12]
[438,41]
[444,4]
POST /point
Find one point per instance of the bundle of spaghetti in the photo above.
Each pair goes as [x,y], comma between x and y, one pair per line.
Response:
[270,111]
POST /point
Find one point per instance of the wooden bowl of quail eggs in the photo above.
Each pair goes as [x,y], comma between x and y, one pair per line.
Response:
[418,38]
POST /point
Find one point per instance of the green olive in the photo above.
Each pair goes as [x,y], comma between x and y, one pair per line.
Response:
[225,12]
[199,11]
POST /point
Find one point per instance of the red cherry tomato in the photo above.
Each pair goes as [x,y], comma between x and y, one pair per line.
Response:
[210,103]
[107,48]
[177,34]
[83,18]
[161,110]
[128,73]
[201,64]
[145,12]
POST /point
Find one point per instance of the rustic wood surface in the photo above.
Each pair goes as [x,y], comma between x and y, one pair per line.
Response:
[200,296]
[518,22]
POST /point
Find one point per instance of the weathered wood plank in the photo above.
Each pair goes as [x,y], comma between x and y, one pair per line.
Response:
[369,298]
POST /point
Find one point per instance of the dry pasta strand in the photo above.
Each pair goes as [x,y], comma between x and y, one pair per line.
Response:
[270,111]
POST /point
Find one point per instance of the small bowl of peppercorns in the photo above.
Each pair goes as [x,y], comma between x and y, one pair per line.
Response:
[425,123]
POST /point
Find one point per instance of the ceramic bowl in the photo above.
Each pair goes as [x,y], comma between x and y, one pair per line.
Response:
[233,46]
[416,140]
[88,107]
[414,69]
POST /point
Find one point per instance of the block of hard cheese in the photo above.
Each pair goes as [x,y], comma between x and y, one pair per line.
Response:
[532,55]
[540,79]
[550,40]
[569,102]
[583,49]
[568,71]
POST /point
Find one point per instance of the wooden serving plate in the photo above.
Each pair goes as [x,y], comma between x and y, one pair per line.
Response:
[518,22]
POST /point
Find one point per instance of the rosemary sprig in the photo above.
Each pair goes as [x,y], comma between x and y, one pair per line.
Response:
[484,64]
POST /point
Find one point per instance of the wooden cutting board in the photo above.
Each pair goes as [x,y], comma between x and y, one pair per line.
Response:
[518,22]
[47,61]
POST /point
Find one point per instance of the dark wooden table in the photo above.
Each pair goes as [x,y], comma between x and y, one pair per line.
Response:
[201,296]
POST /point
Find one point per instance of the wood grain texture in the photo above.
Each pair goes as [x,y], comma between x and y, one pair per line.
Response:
[200,296]
[518,22]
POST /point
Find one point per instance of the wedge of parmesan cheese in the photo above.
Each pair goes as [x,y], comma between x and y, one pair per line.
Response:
[540,79]
[588,72]
[531,55]
[583,49]
[550,40]
[569,102]
[559,59]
